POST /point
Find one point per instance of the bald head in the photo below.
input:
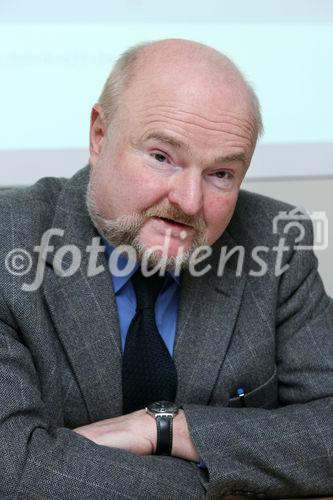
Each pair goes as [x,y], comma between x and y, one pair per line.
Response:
[181,67]
[185,57]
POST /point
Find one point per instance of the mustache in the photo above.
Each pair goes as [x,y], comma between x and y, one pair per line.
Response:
[176,215]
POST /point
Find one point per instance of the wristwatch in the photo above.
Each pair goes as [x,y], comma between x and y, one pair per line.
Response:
[163,412]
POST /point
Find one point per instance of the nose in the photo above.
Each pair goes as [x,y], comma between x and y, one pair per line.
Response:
[186,191]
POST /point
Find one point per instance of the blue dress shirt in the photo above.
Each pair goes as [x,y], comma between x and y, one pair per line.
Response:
[166,307]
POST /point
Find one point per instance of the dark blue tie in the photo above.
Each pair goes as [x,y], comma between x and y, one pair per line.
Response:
[148,371]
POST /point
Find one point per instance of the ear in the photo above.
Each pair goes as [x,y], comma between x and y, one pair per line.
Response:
[97,135]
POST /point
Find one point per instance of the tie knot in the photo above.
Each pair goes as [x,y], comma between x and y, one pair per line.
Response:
[146,289]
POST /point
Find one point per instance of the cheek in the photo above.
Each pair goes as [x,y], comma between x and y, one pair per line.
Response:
[123,190]
[103,194]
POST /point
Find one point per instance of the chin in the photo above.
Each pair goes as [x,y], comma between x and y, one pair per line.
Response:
[170,245]
[150,258]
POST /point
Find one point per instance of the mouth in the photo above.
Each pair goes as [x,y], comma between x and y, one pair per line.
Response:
[174,223]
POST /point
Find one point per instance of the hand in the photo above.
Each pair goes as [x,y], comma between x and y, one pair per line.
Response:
[134,432]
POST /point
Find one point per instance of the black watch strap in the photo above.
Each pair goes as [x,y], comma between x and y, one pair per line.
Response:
[164,434]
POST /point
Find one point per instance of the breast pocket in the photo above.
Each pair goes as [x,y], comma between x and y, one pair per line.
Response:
[263,396]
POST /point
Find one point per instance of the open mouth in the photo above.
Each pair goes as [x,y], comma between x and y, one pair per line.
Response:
[173,222]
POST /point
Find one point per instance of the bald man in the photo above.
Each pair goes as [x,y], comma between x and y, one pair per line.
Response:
[207,382]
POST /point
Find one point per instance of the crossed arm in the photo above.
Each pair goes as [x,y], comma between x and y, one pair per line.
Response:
[285,451]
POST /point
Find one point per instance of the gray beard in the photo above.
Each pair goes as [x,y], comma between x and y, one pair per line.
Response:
[125,230]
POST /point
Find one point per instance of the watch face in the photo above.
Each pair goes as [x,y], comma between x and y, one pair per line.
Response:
[163,407]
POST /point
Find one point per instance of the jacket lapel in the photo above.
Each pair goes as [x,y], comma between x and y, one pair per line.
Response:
[207,313]
[83,308]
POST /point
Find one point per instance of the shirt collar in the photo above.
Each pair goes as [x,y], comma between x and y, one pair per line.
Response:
[120,281]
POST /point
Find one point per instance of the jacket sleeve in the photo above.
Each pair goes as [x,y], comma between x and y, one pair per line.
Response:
[40,461]
[287,451]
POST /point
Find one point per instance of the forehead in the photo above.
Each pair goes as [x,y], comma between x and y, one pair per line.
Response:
[197,86]
[205,115]
[198,90]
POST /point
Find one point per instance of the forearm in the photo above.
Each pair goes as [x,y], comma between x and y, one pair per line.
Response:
[282,452]
[66,465]
[182,444]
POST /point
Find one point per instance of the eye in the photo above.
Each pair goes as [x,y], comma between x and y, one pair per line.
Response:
[160,157]
[222,178]
[221,175]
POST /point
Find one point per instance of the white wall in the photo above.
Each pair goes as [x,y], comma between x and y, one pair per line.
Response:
[55,57]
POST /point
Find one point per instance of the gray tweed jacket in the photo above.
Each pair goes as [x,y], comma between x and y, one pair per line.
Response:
[60,364]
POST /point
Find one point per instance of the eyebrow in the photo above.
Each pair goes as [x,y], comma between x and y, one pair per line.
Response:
[171,141]
[232,157]
[167,139]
